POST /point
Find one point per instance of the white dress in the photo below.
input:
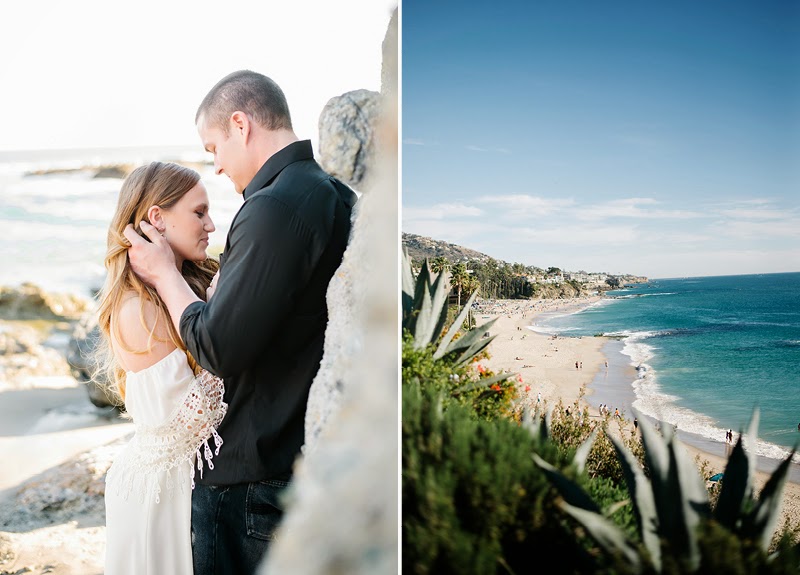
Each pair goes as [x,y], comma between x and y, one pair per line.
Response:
[149,486]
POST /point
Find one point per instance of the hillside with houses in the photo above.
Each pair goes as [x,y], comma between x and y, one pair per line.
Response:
[471,270]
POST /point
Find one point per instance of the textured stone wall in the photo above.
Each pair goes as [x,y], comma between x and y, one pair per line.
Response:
[343,509]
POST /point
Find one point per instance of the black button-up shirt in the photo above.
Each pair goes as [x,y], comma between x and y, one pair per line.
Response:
[263,330]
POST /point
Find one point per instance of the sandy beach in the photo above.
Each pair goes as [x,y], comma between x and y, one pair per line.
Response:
[547,365]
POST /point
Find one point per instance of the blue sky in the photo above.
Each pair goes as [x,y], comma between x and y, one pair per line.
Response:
[660,139]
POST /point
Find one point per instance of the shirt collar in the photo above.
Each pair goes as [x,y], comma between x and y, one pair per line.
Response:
[296,151]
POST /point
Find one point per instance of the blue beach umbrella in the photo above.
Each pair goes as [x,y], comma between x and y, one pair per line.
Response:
[716,477]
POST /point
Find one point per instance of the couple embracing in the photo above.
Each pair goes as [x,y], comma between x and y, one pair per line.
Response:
[214,360]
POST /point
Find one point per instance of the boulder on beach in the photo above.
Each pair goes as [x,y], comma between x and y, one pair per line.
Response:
[25,362]
[83,363]
[30,302]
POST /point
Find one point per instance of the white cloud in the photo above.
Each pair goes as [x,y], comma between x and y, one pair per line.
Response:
[577,235]
[474,148]
[633,208]
[522,205]
[787,228]
[441,212]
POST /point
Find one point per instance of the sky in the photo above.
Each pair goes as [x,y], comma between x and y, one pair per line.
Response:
[651,138]
[94,73]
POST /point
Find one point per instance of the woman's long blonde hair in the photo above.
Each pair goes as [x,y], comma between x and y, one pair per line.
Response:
[161,184]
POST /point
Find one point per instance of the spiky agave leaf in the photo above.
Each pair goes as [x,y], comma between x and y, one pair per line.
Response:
[546,421]
[408,285]
[735,487]
[528,422]
[474,350]
[608,536]
[694,500]
[471,340]
[656,456]
[568,489]
[456,325]
[675,501]
[582,453]
[750,446]
[421,291]
[537,425]
[432,324]
[760,523]
[644,505]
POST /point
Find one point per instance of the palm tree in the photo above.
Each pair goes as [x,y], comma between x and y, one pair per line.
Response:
[440,264]
[459,279]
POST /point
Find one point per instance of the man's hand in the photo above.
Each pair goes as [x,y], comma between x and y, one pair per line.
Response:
[153,260]
[213,287]
[154,263]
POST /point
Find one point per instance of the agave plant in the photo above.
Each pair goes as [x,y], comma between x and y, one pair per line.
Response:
[671,503]
[425,314]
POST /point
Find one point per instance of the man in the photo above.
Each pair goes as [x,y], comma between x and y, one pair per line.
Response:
[263,330]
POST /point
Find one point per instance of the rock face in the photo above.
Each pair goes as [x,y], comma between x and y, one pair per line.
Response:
[342,514]
[83,363]
[29,302]
[347,135]
[24,360]
[76,487]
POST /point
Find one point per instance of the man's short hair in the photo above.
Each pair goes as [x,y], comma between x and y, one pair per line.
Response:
[250,92]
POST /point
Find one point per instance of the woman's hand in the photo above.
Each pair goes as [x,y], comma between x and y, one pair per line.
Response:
[213,287]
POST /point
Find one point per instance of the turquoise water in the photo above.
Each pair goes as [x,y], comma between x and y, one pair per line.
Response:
[708,350]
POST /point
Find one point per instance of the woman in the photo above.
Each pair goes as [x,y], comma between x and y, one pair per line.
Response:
[175,405]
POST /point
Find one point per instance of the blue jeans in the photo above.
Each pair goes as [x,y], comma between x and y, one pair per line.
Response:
[233,525]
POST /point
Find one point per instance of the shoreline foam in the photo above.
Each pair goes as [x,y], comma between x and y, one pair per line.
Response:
[552,373]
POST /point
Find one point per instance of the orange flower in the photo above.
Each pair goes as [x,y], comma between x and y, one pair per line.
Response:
[496,387]
[527,388]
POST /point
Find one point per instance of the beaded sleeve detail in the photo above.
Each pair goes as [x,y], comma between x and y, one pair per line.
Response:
[183,437]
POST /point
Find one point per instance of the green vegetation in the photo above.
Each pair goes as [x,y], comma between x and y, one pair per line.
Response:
[489,487]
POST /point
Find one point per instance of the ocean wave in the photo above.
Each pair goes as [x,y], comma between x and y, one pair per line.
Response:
[632,334]
[640,353]
[662,407]
[652,401]
[548,330]
[635,295]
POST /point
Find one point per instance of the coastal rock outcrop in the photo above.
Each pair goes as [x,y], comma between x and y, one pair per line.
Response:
[25,361]
[28,302]
[76,487]
[347,135]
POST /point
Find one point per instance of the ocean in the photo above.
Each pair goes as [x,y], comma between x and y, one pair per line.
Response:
[700,354]
[54,225]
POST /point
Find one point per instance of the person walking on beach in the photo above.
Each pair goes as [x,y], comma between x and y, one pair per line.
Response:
[263,331]
[175,405]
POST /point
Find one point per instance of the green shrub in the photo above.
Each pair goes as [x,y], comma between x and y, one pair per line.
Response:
[489,395]
[473,499]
